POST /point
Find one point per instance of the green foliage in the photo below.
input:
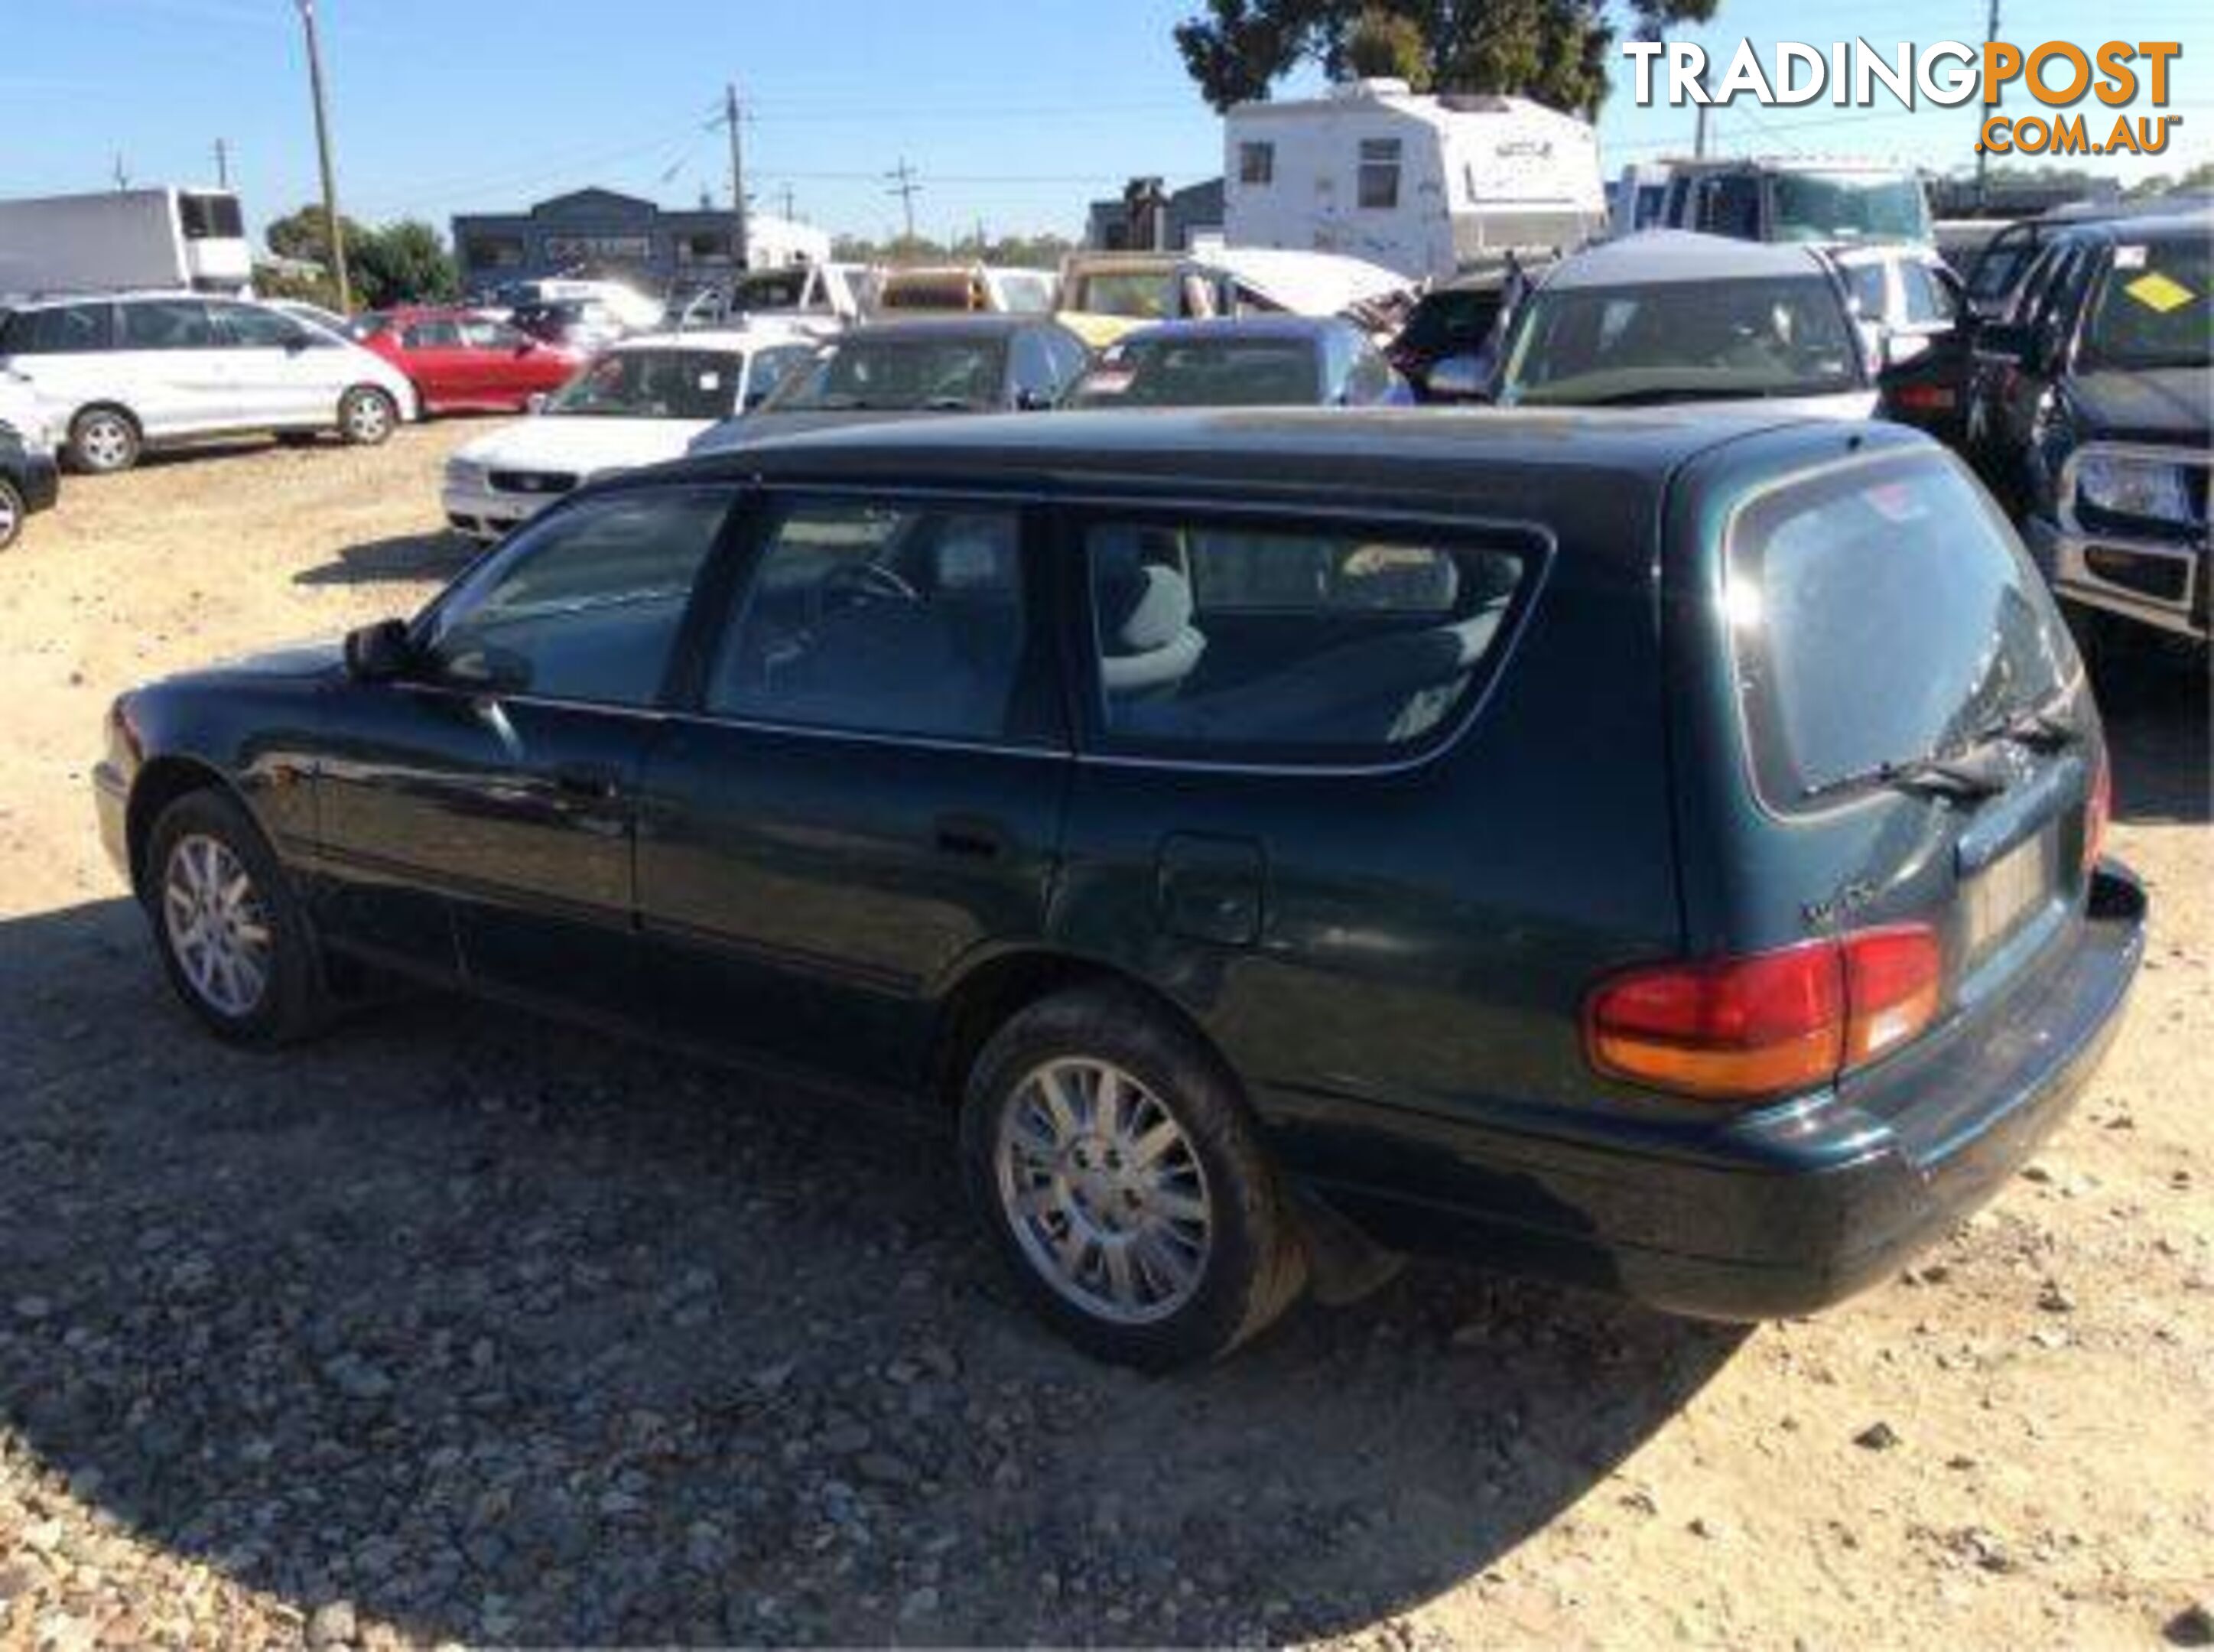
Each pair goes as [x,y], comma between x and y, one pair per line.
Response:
[402,263]
[1555,51]
[1032,252]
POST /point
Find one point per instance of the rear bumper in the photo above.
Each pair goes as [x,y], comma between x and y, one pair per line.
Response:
[1789,1210]
[2159,583]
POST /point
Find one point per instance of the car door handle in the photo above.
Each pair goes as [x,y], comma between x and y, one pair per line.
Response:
[969,837]
[592,782]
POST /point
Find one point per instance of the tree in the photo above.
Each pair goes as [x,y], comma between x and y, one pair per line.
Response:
[1554,51]
[403,263]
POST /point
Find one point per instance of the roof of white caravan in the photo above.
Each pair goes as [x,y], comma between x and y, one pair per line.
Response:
[1309,284]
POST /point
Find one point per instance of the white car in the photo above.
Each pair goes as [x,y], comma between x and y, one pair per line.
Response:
[1906,292]
[638,403]
[114,375]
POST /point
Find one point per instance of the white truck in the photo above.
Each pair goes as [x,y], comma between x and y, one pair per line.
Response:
[1420,184]
[126,240]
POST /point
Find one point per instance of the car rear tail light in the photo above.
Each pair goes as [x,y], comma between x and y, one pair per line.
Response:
[1742,1028]
[2098,808]
[1924,398]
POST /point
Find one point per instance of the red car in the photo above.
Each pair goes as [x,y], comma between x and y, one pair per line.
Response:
[463,362]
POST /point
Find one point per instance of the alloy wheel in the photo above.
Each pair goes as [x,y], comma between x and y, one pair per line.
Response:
[1103,1190]
[368,418]
[104,440]
[216,925]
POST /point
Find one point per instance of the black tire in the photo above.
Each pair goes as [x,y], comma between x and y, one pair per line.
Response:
[12,512]
[295,998]
[104,442]
[1253,1266]
[367,417]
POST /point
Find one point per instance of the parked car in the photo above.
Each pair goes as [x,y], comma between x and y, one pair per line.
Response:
[1466,316]
[1104,295]
[1214,812]
[639,403]
[1907,293]
[823,300]
[917,368]
[1277,361]
[961,289]
[30,481]
[1666,316]
[583,325]
[1811,200]
[623,305]
[2092,415]
[118,374]
[461,362]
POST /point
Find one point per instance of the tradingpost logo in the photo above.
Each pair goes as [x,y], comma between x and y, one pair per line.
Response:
[2058,74]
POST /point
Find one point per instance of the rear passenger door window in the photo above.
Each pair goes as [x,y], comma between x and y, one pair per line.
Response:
[887,619]
[167,324]
[59,330]
[1266,642]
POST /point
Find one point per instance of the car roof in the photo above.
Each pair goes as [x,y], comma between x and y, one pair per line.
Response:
[984,325]
[1654,257]
[2166,226]
[737,341]
[1297,328]
[1475,462]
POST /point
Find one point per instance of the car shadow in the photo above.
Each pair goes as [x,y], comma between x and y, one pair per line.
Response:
[403,559]
[500,1330]
[2157,730]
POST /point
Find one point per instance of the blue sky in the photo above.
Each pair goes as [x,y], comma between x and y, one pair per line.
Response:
[1014,112]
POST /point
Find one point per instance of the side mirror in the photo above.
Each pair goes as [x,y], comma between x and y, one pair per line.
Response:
[379,652]
[1460,378]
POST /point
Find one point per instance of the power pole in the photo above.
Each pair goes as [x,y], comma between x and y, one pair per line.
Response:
[737,175]
[907,189]
[788,212]
[122,178]
[323,155]
[1983,161]
[222,164]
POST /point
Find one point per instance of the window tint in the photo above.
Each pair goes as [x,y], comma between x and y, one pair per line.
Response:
[1904,563]
[167,324]
[1033,367]
[1864,283]
[587,603]
[1730,205]
[1379,172]
[885,619]
[248,329]
[431,335]
[1236,642]
[1205,370]
[1370,379]
[204,217]
[772,366]
[1929,300]
[59,329]
[1070,357]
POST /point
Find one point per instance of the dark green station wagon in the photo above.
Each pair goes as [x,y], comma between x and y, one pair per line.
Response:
[1658,849]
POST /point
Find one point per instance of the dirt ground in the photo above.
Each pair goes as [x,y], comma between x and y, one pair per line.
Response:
[455,1326]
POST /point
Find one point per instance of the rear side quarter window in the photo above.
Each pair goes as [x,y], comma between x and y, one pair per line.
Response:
[1280,643]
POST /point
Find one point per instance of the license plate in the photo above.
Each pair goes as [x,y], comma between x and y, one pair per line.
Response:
[2004,894]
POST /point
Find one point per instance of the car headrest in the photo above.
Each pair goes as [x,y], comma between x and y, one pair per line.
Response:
[1152,610]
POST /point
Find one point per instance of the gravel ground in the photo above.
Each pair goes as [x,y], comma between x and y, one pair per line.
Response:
[454,1325]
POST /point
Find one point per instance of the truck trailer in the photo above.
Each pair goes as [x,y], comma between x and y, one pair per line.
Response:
[126,239]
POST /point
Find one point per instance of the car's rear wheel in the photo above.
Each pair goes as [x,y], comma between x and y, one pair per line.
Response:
[1114,1164]
[233,939]
[367,416]
[12,512]
[103,440]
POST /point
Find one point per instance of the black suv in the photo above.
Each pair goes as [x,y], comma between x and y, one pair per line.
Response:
[1259,830]
[2089,414]
[29,482]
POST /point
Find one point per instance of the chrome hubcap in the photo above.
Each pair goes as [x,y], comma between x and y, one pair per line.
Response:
[1104,1192]
[365,418]
[216,925]
[106,443]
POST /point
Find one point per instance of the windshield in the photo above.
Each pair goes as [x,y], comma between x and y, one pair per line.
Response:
[896,374]
[1204,373]
[1683,341]
[653,384]
[770,290]
[2152,311]
[1849,207]
[1454,318]
[1140,293]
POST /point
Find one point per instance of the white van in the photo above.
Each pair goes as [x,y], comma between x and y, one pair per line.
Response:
[116,374]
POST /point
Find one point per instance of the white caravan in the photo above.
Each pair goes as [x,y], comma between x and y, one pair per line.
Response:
[1421,184]
[119,240]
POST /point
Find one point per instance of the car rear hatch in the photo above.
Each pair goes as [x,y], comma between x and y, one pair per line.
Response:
[1890,772]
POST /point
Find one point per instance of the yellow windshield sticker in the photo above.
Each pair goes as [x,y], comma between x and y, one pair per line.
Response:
[2160,292]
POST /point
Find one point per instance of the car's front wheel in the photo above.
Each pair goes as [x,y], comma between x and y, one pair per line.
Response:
[1119,1174]
[102,441]
[233,939]
[12,512]
[367,416]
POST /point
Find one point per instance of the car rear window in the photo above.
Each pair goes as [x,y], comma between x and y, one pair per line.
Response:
[1233,641]
[1879,612]
[58,330]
